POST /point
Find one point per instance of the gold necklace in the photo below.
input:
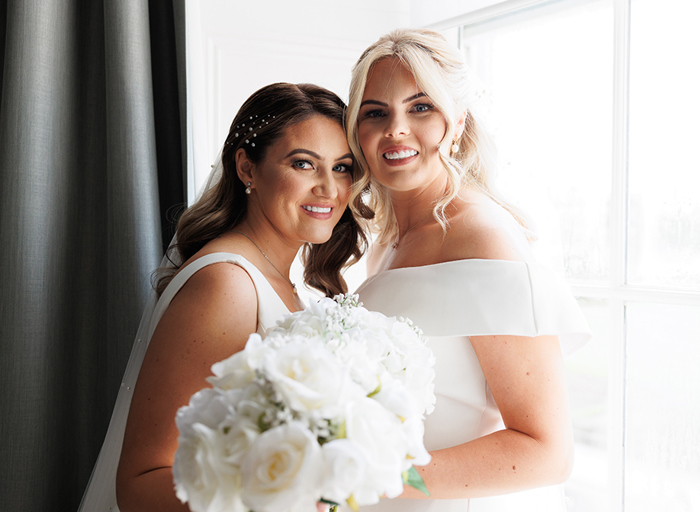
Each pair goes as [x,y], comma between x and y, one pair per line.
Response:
[294,287]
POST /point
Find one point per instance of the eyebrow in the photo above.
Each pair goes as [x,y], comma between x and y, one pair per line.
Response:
[315,155]
[303,151]
[382,104]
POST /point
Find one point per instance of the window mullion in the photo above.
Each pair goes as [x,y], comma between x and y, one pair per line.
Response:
[618,255]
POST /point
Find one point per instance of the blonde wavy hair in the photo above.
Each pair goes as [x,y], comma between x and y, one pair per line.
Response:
[442,74]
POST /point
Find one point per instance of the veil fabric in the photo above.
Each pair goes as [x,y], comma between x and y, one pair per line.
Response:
[100,494]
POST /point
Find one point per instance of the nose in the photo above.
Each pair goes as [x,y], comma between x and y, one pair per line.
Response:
[325,185]
[397,125]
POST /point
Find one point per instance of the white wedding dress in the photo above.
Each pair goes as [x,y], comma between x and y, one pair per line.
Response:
[100,495]
[450,302]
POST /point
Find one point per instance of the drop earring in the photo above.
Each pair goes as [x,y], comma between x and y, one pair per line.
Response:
[247,188]
[455,146]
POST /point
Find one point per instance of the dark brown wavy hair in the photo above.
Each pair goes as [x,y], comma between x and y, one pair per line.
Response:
[262,120]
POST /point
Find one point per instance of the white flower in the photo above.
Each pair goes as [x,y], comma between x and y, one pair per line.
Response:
[329,405]
[239,370]
[239,435]
[202,477]
[344,469]
[282,471]
[306,375]
[394,396]
[417,454]
[378,434]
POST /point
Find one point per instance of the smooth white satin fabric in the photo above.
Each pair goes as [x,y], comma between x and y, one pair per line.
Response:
[450,302]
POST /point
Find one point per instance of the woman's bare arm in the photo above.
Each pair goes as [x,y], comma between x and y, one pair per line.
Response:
[526,378]
[209,319]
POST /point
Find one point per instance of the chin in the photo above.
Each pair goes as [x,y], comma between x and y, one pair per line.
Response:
[317,236]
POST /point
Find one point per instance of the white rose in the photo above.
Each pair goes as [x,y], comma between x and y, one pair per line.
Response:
[309,322]
[394,396]
[239,434]
[306,375]
[282,471]
[344,469]
[379,435]
[202,477]
[238,370]
[363,369]
[414,430]
[205,407]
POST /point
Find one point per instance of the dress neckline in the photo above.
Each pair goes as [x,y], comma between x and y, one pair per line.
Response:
[269,286]
[221,257]
[451,262]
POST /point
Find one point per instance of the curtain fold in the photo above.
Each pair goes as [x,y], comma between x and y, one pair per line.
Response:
[82,187]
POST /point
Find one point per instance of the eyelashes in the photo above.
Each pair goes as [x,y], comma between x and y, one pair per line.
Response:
[306,165]
[417,108]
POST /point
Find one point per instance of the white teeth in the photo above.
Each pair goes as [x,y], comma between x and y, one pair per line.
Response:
[316,209]
[398,155]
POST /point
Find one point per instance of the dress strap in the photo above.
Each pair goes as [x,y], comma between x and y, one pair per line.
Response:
[269,303]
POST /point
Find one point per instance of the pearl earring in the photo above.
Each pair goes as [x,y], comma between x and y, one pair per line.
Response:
[248,189]
[455,146]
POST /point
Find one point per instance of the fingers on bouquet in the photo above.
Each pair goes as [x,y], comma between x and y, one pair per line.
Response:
[329,406]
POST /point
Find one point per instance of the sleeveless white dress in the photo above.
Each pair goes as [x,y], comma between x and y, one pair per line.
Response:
[100,495]
[450,302]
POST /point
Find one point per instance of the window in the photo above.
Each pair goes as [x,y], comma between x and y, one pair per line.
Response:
[594,107]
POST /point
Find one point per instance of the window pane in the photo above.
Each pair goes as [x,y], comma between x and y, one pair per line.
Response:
[587,377]
[662,423]
[664,168]
[548,88]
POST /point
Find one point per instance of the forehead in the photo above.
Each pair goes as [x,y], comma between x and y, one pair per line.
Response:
[390,76]
[317,133]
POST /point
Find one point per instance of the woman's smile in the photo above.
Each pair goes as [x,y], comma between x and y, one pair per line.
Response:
[399,155]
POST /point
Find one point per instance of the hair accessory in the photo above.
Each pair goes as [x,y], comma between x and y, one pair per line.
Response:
[248,190]
[252,121]
[294,287]
[455,146]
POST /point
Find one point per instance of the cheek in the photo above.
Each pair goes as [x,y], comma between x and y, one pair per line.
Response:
[364,136]
[344,189]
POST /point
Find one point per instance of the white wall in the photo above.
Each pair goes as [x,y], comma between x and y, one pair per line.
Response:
[424,13]
[246,45]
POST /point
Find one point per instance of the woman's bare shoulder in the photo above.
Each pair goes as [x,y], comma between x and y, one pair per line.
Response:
[480,228]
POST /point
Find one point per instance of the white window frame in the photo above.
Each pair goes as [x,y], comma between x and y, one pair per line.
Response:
[617,292]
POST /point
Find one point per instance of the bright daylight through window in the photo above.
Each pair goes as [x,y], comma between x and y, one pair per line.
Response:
[596,107]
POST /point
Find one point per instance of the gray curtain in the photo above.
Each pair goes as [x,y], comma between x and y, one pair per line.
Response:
[91,170]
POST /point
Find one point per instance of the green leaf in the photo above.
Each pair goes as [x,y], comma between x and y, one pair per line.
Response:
[333,504]
[413,478]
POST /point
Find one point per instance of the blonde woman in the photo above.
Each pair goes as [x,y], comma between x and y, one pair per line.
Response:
[455,259]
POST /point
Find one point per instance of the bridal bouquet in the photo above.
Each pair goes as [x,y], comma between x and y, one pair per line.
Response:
[329,406]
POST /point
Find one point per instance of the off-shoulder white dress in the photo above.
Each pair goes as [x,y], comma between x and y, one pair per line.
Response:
[450,302]
[100,495]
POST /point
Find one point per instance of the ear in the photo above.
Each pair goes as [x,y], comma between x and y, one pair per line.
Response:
[244,167]
[459,125]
